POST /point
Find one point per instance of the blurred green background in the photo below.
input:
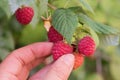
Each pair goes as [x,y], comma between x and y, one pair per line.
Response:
[104,65]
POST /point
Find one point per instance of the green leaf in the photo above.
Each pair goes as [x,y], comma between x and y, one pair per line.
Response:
[7,41]
[93,76]
[4,53]
[42,6]
[65,22]
[109,40]
[4,5]
[86,5]
[98,27]
[77,9]
[95,36]
[33,34]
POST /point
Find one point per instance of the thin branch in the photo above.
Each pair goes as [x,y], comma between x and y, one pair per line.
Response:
[51,6]
[43,18]
[66,3]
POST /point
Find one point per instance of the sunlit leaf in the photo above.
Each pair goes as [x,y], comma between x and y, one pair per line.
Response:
[7,41]
[95,36]
[4,53]
[65,22]
[98,27]
[86,5]
[4,5]
[42,5]
[109,40]
[77,9]
[33,34]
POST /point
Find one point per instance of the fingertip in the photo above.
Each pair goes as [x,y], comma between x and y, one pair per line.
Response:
[68,59]
[61,68]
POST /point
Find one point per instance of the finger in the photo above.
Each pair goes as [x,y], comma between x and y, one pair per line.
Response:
[40,74]
[59,70]
[15,61]
[25,71]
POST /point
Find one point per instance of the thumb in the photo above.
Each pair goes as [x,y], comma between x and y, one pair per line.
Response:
[61,69]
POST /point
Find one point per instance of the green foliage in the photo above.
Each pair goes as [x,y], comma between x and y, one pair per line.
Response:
[94,76]
[6,44]
[65,21]
[4,5]
[3,53]
[86,5]
[115,66]
[95,37]
[71,17]
[98,27]
[77,9]
[104,31]
[5,39]
[109,40]
[33,34]
[42,5]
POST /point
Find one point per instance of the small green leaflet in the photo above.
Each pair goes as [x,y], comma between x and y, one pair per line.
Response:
[33,34]
[109,34]
[65,22]
[3,53]
[98,27]
[42,5]
[108,40]
[86,5]
[4,6]
[7,41]
[77,9]
[95,36]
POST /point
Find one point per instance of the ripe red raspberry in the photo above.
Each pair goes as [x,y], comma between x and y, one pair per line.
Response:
[79,59]
[60,48]
[86,46]
[54,35]
[24,15]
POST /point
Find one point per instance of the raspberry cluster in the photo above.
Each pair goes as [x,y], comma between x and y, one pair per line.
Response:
[86,47]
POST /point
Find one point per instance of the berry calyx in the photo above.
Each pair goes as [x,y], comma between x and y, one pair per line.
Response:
[60,48]
[24,15]
[79,59]
[86,46]
[54,35]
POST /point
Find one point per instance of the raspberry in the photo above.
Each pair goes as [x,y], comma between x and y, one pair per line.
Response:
[86,46]
[60,48]
[79,59]
[24,15]
[54,36]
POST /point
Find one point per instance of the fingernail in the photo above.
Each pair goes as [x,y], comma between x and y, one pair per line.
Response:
[68,59]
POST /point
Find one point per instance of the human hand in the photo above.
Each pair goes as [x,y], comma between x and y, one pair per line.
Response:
[19,63]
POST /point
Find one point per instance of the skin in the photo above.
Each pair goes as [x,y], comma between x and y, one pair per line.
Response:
[18,64]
